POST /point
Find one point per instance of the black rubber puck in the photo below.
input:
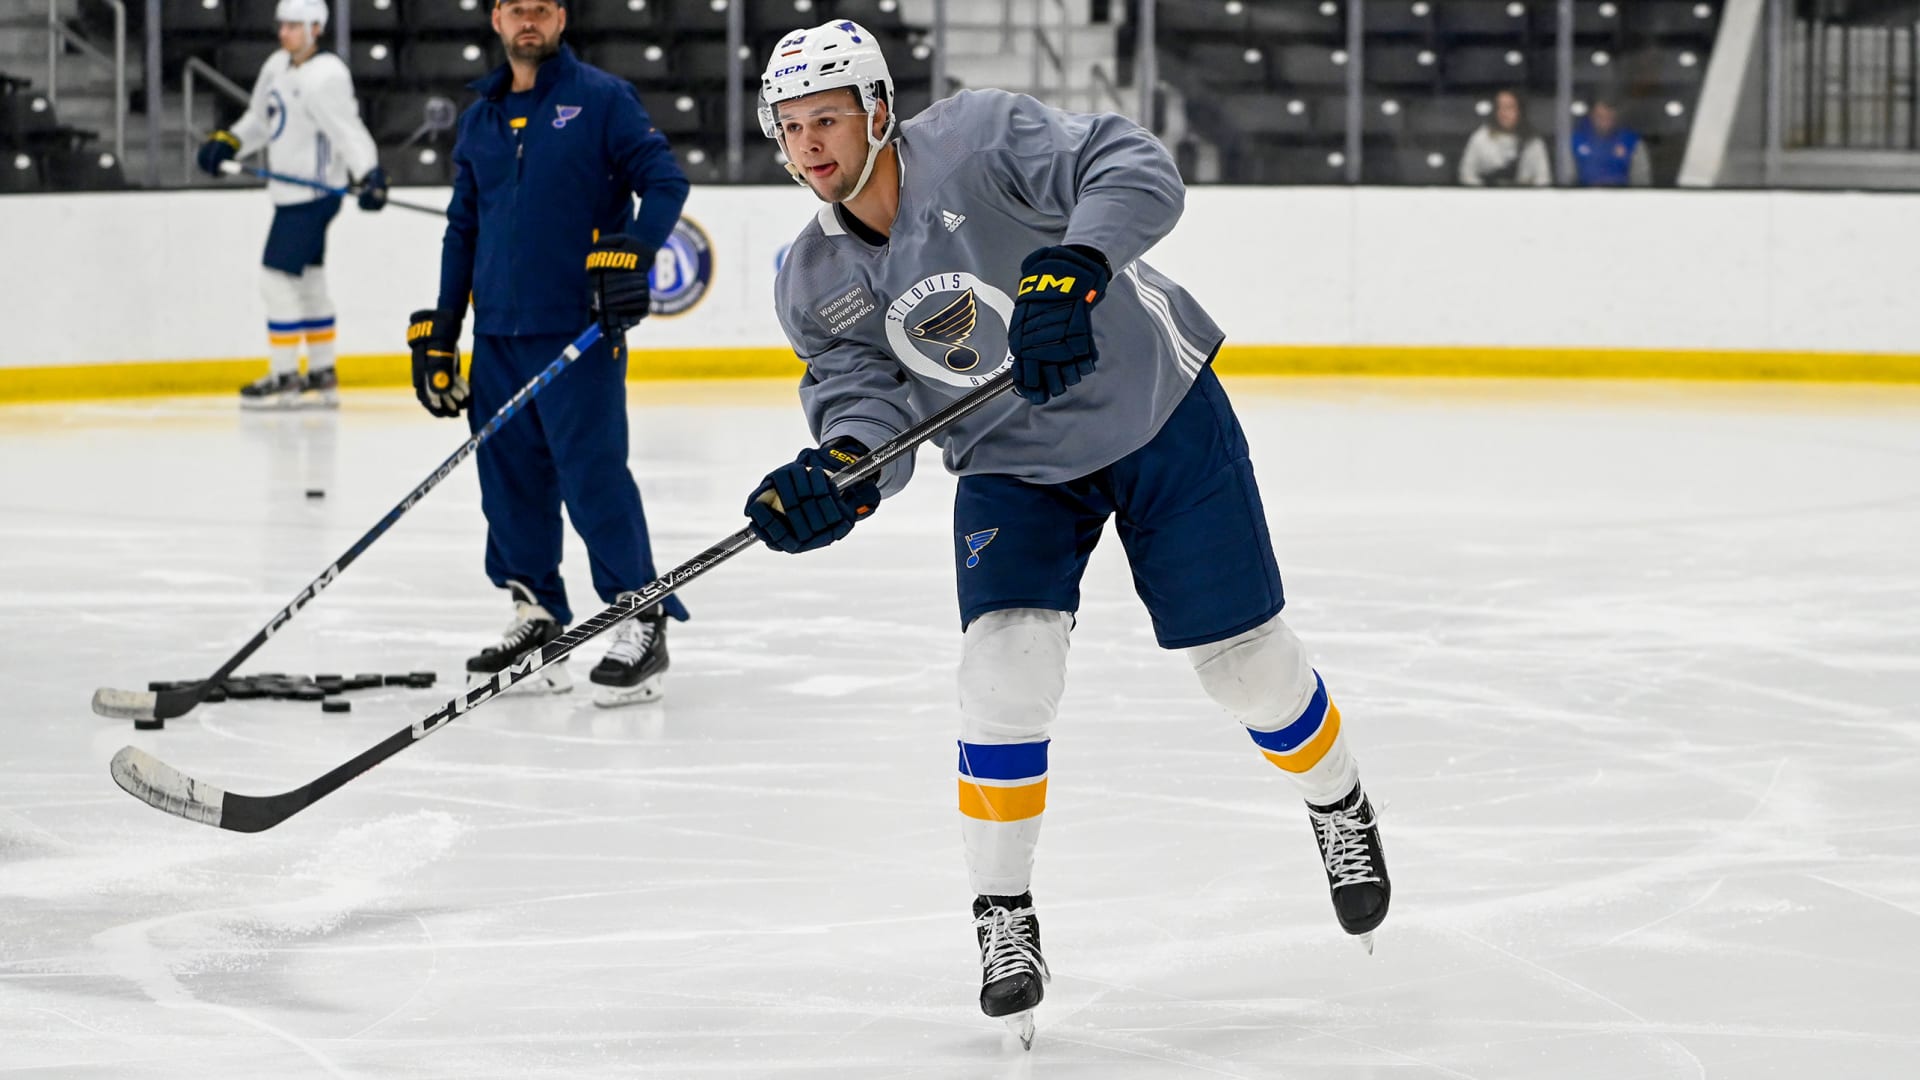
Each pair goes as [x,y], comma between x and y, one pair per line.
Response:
[421,678]
[155,724]
[316,493]
[159,685]
[336,705]
[395,680]
[308,693]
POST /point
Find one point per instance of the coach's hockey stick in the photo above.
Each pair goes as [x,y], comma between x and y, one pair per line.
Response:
[234,168]
[166,704]
[164,787]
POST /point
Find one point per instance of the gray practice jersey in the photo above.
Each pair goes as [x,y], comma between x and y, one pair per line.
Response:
[892,333]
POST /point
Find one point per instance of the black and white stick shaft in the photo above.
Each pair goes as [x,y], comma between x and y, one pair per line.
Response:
[164,787]
[166,704]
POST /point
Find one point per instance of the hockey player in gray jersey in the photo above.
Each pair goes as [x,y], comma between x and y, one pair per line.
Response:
[989,232]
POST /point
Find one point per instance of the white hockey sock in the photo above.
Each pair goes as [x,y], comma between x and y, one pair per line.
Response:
[285,319]
[1012,673]
[316,310]
[1262,677]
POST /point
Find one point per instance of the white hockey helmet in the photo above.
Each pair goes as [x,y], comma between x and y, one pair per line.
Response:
[831,56]
[304,12]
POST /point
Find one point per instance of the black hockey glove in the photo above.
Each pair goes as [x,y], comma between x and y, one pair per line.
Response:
[797,508]
[618,267]
[217,151]
[373,189]
[1051,332]
[434,337]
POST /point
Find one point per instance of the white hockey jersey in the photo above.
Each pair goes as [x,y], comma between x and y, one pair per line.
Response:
[309,123]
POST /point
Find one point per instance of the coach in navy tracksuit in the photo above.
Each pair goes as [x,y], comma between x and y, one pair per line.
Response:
[542,236]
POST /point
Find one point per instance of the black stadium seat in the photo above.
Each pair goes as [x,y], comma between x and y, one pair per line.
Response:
[1402,65]
[1484,19]
[469,15]
[641,64]
[375,60]
[614,17]
[1488,66]
[375,16]
[1299,20]
[674,113]
[699,16]
[446,62]
[194,16]
[1310,66]
[241,60]
[1406,17]
[19,172]
[80,167]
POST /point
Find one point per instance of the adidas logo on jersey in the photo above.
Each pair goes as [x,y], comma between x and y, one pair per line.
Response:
[952,220]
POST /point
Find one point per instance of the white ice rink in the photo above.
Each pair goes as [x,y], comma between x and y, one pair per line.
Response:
[1633,668]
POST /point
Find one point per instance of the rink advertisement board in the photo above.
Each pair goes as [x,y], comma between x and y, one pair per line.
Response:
[1330,280]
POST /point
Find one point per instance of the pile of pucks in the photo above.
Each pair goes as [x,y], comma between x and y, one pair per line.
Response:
[325,689]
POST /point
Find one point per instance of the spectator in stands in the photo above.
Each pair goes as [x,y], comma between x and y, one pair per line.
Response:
[1606,154]
[1504,151]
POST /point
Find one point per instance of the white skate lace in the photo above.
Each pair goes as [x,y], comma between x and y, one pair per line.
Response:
[521,628]
[1008,948]
[1343,841]
[631,640]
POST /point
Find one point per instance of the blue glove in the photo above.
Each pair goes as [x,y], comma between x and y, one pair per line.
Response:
[1051,332]
[373,189]
[796,508]
[216,151]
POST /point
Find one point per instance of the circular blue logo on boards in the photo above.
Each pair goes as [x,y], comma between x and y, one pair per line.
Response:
[682,270]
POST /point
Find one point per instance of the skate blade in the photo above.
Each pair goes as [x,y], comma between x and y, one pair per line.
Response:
[1022,1027]
[1366,941]
[613,697]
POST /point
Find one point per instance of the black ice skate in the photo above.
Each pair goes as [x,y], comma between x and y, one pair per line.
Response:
[532,627]
[320,389]
[1349,836]
[636,662]
[274,390]
[1013,974]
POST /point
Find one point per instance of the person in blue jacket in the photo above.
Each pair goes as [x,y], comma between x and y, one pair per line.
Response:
[542,235]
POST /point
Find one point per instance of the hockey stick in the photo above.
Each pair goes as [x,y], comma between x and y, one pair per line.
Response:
[148,705]
[163,787]
[234,168]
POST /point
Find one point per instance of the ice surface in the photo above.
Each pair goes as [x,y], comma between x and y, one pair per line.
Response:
[1631,668]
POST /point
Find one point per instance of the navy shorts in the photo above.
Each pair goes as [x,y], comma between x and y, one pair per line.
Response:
[1188,513]
[298,238]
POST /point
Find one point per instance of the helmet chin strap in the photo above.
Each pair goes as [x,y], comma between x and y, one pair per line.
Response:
[874,146]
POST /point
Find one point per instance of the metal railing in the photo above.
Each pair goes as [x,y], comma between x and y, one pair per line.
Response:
[190,131]
[59,36]
[1046,57]
[1851,86]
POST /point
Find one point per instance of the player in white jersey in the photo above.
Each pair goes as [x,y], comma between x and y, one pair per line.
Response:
[303,113]
[989,233]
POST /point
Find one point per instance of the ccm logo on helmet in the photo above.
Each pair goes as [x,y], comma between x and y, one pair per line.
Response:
[786,71]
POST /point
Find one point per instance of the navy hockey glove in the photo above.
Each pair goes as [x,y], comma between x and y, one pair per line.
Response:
[217,151]
[618,267]
[1051,332]
[796,508]
[434,337]
[373,189]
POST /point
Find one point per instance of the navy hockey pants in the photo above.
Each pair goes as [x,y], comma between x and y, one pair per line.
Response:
[569,445]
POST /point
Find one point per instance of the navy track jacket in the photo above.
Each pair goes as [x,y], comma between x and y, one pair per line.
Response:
[536,176]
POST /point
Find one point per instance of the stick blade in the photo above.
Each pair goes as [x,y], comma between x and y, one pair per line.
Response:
[164,787]
[145,704]
[125,704]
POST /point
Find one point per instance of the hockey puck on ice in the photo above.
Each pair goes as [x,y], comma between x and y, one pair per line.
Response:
[308,693]
[316,493]
[396,680]
[421,678]
[155,724]
[336,705]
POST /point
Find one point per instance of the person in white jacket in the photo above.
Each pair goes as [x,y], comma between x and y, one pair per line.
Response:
[304,114]
[1504,151]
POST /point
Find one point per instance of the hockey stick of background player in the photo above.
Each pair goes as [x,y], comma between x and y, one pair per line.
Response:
[234,168]
[160,785]
[142,705]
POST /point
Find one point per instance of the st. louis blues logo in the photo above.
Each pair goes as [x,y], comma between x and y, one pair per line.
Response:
[976,541]
[566,113]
